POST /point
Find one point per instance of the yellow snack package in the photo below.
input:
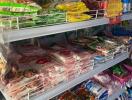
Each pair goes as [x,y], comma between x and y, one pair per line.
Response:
[77,17]
[72,7]
[114,8]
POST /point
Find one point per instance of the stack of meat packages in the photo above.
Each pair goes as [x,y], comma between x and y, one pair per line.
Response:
[23,78]
[34,70]
[75,60]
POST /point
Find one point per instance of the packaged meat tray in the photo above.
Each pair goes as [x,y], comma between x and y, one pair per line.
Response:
[22,84]
[80,53]
[51,68]
[85,67]
[80,60]
[62,54]
[82,56]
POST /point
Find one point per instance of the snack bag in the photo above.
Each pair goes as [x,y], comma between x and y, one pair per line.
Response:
[16,9]
[114,10]
[99,91]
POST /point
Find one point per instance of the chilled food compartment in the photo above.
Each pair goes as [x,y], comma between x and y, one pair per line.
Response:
[35,70]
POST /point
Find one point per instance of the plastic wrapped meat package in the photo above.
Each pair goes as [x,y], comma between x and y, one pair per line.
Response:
[22,84]
[57,72]
[111,84]
[82,54]
[62,54]
[49,67]
[85,66]
[45,84]
[54,71]
[84,59]
[75,60]
[66,57]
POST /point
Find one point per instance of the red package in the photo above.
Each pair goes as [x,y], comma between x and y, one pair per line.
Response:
[62,54]
[49,65]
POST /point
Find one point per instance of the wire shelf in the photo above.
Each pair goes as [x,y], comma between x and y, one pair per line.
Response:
[8,23]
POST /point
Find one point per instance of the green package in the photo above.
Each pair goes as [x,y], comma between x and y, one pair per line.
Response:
[15,9]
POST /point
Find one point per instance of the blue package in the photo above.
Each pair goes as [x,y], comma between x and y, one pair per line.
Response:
[126,6]
[99,59]
[126,1]
[98,90]
[119,31]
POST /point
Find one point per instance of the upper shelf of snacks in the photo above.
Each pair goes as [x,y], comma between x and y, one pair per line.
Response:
[22,21]
[21,34]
